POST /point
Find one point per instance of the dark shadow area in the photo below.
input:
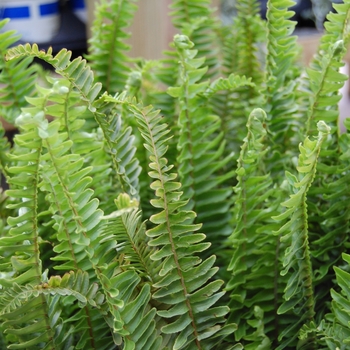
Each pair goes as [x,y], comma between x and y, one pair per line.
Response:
[303,13]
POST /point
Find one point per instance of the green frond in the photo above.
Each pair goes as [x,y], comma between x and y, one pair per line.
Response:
[328,227]
[183,11]
[125,232]
[279,30]
[17,78]
[63,103]
[327,337]
[81,78]
[27,303]
[70,284]
[325,80]
[232,82]
[76,71]
[122,263]
[133,322]
[76,215]
[20,247]
[195,20]
[334,331]
[182,277]
[107,45]
[341,304]
[63,179]
[120,143]
[280,80]
[85,310]
[28,325]
[326,248]
[251,30]
[201,146]
[254,252]
[298,294]
[325,83]
[241,48]
[337,26]
[165,75]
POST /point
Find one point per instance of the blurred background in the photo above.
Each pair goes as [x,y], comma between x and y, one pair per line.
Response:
[67,23]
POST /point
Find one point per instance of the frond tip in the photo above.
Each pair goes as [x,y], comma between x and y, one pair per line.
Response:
[76,71]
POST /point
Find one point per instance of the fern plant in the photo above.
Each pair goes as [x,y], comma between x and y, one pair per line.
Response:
[199,201]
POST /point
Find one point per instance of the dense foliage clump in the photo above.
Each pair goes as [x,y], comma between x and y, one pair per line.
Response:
[199,201]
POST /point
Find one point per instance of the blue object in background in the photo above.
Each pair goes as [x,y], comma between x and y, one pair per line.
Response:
[49,9]
[78,4]
[15,12]
[35,20]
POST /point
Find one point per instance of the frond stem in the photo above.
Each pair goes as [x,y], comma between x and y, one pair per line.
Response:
[92,341]
[38,264]
[275,290]
[66,106]
[315,102]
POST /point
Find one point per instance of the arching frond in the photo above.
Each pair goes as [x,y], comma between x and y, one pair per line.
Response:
[76,71]
[232,82]
[254,254]
[329,226]
[81,78]
[74,284]
[74,216]
[298,294]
